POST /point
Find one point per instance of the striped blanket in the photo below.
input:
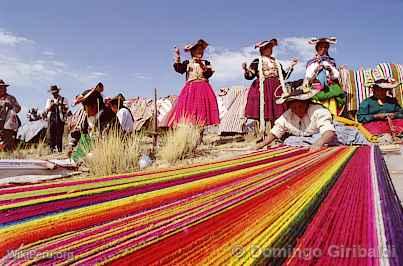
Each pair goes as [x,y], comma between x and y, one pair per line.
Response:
[232,118]
[285,205]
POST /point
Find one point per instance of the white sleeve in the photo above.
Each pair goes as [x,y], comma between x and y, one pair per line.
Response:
[66,103]
[279,128]
[120,115]
[324,120]
[335,72]
[310,70]
[125,120]
[47,104]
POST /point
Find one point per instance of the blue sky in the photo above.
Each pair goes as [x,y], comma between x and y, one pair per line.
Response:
[129,44]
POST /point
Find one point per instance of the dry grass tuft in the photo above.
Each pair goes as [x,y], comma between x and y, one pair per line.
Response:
[179,142]
[114,154]
[35,151]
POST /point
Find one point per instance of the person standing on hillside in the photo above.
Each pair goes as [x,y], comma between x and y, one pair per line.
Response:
[322,74]
[56,109]
[9,121]
[269,77]
[197,102]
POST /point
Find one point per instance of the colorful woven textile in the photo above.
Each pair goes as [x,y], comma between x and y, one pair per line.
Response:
[230,212]
[347,122]
[233,120]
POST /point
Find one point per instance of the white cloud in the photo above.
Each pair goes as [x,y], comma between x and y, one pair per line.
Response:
[25,73]
[227,63]
[48,53]
[144,76]
[10,39]
[28,66]
[90,78]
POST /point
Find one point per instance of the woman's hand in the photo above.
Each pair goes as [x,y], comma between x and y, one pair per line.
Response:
[177,55]
[391,115]
[380,116]
[294,62]
[69,151]
[244,66]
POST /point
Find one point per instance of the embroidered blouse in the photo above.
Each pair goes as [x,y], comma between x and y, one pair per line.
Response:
[194,70]
[269,69]
[326,61]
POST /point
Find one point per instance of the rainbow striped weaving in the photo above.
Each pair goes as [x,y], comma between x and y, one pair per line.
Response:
[233,212]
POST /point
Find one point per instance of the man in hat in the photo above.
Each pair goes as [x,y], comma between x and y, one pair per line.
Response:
[303,119]
[308,124]
[9,121]
[56,109]
[380,113]
[123,114]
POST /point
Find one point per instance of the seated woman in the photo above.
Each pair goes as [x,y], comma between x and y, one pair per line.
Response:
[123,114]
[380,113]
[308,124]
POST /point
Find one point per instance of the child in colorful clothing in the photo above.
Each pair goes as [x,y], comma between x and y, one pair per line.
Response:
[270,75]
[322,74]
[197,102]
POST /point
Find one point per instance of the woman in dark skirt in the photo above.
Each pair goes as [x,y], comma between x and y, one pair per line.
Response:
[269,73]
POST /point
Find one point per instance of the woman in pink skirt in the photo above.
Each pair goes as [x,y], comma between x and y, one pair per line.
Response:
[269,72]
[197,102]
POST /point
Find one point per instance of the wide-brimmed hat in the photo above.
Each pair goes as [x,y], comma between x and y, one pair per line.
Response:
[261,44]
[3,84]
[99,88]
[296,90]
[86,95]
[54,88]
[329,40]
[200,42]
[384,84]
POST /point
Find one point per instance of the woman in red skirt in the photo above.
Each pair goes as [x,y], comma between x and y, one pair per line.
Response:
[268,72]
[197,102]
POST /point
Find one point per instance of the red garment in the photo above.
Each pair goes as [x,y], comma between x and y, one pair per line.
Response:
[196,103]
[272,111]
[382,127]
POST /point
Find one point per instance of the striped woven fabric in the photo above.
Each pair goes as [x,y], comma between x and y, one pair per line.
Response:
[354,83]
[229,212]
[350,95]
[234,119]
